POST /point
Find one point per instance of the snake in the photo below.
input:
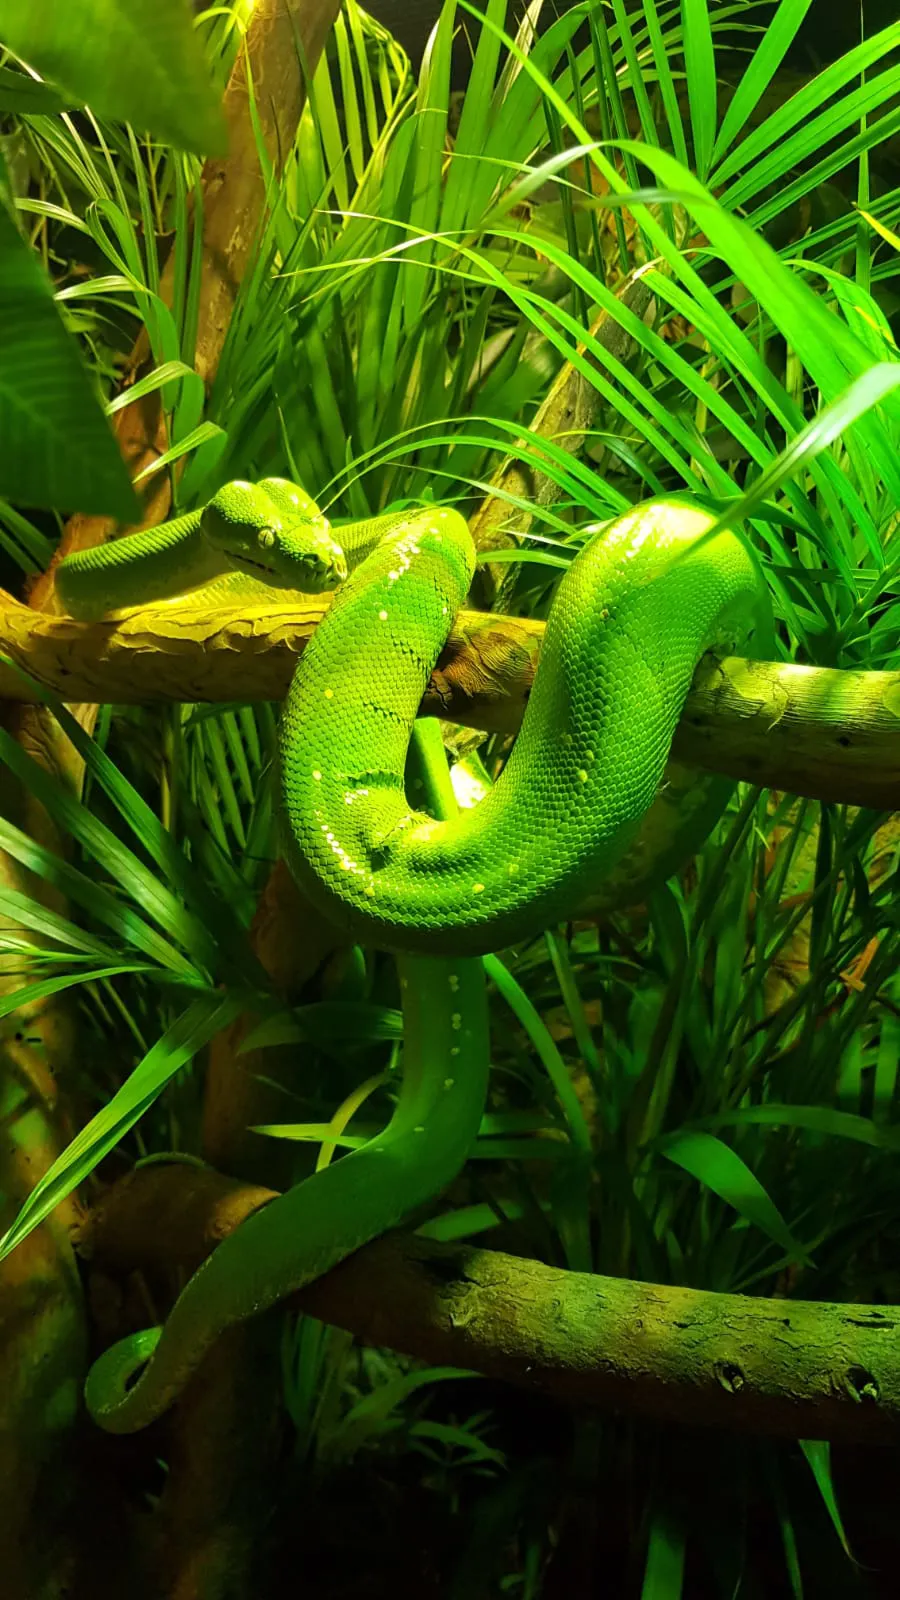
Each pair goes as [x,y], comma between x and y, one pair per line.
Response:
[646,598]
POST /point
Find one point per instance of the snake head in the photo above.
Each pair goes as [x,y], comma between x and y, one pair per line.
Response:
[254,535]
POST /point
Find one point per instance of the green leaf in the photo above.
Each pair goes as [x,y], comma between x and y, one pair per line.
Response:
[58,451]
[542,1041]
[167,373]
[123,865]
[28,97]
[721,1169]
[137,60]
[700,67]
[815,1119]
[797,112]
[189,1033]
[444,1434]
[818,1455]
[762,66]
[41,990]
[206,433]
[325,1022]
[664,1569]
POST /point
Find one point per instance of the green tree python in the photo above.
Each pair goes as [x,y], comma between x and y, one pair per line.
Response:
[639,606]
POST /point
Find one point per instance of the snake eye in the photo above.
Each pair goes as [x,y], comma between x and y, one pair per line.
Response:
[265,538]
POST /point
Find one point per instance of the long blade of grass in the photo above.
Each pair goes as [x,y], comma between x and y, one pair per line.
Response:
[761,69]
[700,69]
[203,1018]
[723,1171]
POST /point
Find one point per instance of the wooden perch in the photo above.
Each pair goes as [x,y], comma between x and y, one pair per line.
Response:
[812,731]
[794,1368]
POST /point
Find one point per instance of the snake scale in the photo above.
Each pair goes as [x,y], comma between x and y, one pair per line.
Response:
[642,602]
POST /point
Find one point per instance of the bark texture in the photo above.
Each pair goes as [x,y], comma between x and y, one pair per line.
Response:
[794,1368]
[812,731]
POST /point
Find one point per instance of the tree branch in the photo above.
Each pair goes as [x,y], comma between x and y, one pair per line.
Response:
[812,731]
[799,1369]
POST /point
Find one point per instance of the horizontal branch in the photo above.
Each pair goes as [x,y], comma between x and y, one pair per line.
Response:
[812,731]
[799,1369]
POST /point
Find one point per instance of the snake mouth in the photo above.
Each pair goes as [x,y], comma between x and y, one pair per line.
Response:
[304,581]
[255,566]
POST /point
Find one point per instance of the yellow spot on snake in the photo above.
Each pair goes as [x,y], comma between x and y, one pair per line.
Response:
[329,694]
[477,888]
[456,1020]
[513,868]
[418,1130]
[582,775]
[449,1082]
[453,981]
[454,1049]
[383,616]
[318,776]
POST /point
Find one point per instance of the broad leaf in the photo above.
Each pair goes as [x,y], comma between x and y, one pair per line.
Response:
[138,60]
[58,450]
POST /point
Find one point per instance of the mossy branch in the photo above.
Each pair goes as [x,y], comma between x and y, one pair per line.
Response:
[812,731]
[798,1369]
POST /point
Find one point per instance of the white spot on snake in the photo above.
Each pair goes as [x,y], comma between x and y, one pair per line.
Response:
[456,1020]
[444,610]
[478,888]
[317,775]
[383,616]
[393,576]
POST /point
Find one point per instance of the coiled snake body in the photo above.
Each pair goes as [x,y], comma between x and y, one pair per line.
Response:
[633,615]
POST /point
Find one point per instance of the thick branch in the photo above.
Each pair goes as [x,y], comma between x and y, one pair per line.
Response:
[810,730]
[801,1369]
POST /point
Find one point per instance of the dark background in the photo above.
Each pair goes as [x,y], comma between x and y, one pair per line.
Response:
[830,28]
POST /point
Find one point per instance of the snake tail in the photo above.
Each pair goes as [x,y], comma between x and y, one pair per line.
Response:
[312,1227]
